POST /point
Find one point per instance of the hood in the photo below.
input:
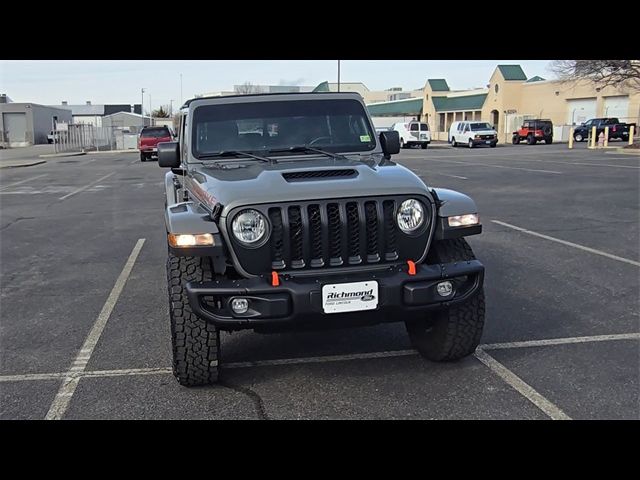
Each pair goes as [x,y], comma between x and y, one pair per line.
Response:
[303,178]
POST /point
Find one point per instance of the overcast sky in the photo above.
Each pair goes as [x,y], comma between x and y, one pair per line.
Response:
[76,81]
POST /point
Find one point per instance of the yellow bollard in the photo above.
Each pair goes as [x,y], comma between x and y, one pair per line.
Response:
[571,137]
[606,137]
[631,134]
[592,143]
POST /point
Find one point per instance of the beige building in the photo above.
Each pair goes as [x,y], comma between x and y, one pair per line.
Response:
[509,98]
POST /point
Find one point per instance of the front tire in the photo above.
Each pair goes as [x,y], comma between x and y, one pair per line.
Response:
[493,144]
[515,139]
[195,342]
[470,143]
[531,140]
[402,144]
[424,146]
[578,137]
[453,142]
[548,141]
[143,157]
[454,333]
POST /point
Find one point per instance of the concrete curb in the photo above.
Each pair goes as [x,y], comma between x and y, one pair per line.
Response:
[134,150]
[627,151]
[68,154]
[31,164]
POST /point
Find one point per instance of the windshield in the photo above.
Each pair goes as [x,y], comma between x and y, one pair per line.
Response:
[332,125]
[155,133]
[480,126]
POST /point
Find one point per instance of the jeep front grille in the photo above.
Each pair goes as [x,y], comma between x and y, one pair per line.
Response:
[318,235]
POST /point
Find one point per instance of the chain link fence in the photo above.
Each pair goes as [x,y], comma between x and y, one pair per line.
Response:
[80,137]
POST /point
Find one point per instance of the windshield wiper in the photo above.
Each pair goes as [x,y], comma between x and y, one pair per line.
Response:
[233,153]
[305,148]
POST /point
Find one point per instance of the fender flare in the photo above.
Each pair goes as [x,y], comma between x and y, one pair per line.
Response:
[449,203]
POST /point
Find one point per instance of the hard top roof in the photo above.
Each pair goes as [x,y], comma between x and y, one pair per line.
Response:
[274,94]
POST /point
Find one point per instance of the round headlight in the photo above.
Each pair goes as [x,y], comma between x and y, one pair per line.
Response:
[410,215]
[249,227]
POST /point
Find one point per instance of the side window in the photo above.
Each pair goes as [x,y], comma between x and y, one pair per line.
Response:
[460,127]
[414,127]
[466,128]
[424,127]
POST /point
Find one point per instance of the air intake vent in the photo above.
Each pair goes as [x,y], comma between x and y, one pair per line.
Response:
[318,175]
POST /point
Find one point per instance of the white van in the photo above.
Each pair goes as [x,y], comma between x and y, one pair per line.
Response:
[472,134]
[413,133]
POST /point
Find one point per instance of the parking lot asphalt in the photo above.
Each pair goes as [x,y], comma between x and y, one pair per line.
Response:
[84,330]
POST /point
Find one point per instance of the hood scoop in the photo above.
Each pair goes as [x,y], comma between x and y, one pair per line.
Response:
[313,175]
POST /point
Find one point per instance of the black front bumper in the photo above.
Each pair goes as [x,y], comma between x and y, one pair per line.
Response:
[298,300]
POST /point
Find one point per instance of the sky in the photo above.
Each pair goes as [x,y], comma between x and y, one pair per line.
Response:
[50,82]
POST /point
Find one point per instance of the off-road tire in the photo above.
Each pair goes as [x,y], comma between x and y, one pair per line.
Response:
[143,157]
[453,142]
[531,140]
[454,333]
[195,342]
[515,139]
[548,141]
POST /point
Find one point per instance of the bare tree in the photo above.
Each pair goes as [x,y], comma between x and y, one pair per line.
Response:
[161,112]
[603,73]
[247,88]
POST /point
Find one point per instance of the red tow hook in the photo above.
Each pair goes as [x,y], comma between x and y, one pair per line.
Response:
[412,267]
[275,280]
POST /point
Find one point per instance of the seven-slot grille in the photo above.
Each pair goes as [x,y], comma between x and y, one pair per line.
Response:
[332,233]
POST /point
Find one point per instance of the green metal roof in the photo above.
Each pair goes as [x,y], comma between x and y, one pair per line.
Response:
[454,104]
[512,72]
[396,108]
[438,84]
[322,87]
[536,79]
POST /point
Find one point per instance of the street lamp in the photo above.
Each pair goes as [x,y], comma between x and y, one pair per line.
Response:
[142,107]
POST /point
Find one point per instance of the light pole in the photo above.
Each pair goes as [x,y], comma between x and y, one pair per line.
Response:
[338,75]
[181,90]
[150,112]
[171,108]
[142,108]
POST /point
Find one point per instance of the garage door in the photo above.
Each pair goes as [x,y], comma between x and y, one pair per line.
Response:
[617,107]
[15,128]
[580,110]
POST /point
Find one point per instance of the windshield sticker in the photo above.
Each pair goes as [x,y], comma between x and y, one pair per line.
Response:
[365,138]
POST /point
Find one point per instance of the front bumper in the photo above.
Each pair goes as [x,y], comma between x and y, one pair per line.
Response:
[298,300]
[484,141]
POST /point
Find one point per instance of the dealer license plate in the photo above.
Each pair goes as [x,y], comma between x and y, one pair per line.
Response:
[488,142]
[350,297]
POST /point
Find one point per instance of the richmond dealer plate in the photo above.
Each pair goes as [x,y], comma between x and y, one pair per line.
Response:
[350,297]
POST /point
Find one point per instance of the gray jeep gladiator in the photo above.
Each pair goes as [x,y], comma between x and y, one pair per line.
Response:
[286,212]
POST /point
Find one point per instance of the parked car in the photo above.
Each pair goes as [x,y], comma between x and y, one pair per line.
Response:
[472,134]
[413,133]
[51,137]
[148,141]
[311,228]
[534,131]
[616,128]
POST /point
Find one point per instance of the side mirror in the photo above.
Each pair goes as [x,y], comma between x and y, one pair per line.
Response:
[169,154]
[390,141]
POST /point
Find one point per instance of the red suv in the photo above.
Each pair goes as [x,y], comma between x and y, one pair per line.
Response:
[149,139]
[534,131]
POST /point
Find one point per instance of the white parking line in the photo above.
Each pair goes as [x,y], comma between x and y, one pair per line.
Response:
[445,175]
[570,244]
[89,185]
[32,376]
[63,397]
[475,164]
[521,386]
[561,341]
[22,181]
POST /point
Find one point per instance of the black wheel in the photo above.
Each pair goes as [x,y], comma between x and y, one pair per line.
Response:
[493,144]
[402,145]
[515,139]
[548,140]
[195,342]
[424,146]
[531,140]
[453,333]
[470,143]
[578,137]
[453,142]
[143,157]
[547,130]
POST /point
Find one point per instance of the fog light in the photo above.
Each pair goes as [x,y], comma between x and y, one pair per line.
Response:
[239,305]
[444,288]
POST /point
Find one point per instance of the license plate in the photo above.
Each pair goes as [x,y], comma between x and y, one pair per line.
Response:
[154,150]
[350,297]
[488,142]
